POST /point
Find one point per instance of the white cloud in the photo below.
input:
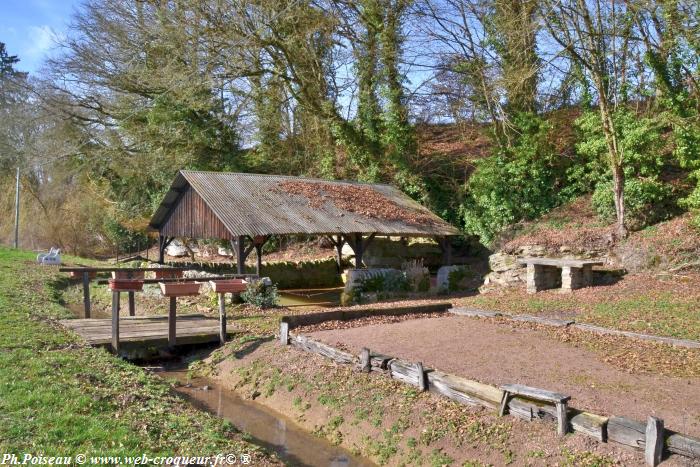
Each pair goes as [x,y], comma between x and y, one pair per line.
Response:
[41,41]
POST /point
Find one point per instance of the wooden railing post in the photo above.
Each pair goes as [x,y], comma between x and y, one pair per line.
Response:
[222,318]
[365,361]
[562,418]
[422,381]
[86,293]
[654,441]
[172,333]
[284,333]
[115,321]
[132,304]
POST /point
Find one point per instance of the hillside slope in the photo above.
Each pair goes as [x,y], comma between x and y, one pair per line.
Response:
[574,229]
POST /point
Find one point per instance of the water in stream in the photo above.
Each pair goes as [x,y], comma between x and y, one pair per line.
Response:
[310,297]
[269,429]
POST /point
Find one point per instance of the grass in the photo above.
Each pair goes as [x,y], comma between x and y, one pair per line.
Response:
[59,397]
[671,312]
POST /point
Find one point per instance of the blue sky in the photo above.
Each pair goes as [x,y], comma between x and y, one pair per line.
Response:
[28,28]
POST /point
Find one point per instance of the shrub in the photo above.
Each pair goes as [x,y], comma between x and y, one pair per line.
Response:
[647,198]
[646,202]
[518,182]
[396,282]
[456,276]
[417,275]
[373,284]
[261,293]
[123,238]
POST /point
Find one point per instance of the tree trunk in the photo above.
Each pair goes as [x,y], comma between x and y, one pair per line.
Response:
[619,195]
[616,163]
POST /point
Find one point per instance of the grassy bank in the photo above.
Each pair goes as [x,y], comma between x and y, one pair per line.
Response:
[59,397]
[387,421]
[664,305]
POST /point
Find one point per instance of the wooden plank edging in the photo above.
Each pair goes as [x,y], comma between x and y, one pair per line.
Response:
[617,429]
[320,348]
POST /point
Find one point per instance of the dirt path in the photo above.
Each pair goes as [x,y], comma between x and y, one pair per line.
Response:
[496,354]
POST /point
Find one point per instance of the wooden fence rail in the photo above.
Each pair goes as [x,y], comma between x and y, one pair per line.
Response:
[652,437]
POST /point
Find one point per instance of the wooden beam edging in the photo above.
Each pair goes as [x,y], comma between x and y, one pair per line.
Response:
[620,430]
[687,343]
[348,314]
[320,348]
[475,313]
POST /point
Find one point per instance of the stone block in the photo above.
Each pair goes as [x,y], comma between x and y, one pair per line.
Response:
[500,262]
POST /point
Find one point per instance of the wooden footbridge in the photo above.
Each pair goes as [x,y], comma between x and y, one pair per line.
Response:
[147,332]
[153,331]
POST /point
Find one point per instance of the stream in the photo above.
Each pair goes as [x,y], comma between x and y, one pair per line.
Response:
[269,429]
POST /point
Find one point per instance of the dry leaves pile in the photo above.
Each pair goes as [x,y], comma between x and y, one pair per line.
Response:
[367,321]
[357,199]
[631,355]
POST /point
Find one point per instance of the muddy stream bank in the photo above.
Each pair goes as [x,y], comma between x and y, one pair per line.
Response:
[267,428]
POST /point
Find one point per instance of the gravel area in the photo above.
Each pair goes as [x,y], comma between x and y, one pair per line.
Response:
[497,353]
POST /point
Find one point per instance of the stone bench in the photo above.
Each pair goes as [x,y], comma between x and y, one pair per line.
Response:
[544,273]
[560,402]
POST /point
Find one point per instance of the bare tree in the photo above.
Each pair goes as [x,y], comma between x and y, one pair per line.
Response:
[595,34]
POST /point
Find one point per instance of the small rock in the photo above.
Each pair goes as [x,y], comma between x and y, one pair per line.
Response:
[225,252]
[255,395]
[176,249]
[205,388]
[532,250]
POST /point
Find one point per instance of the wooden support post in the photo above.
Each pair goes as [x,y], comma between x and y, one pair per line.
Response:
[284,333]
[222,318]
[163,243]
[339,242]
[654,446]
[258,258]
[258,243]
[115,321]
[359,250]
[446,247]
[240,254]
[161,249]
[562,418]
[86,293]
[365,362]
[359,245]
[172,327]
[132,303]
[422,381]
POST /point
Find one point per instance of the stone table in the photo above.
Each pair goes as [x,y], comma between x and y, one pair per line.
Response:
[544,273]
